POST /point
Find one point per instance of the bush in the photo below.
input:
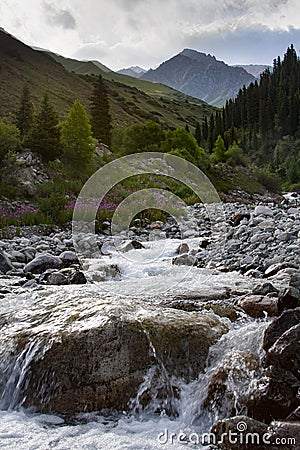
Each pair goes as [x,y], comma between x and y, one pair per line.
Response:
[9,139]
[269,180]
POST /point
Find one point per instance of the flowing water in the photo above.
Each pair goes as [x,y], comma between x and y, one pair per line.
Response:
[147,279]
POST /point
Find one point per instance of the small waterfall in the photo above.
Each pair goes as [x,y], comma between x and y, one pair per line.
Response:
[233,365]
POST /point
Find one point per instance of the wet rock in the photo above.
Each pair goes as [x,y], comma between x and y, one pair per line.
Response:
[184,260]
[238,367]
[231,433]
[42,263]
[279,326]
[276,393]
[183,248]
[264,289]
[131,245]
[57,278]
[98,271]
[77,277]
[5,263]
[288,298]
[287,433]
[285,352]
[103,367]
[259,305]
[68,258]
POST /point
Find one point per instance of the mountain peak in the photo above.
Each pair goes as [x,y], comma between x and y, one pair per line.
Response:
[201,75]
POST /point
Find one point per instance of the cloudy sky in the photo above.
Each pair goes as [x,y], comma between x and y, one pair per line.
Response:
[121,33]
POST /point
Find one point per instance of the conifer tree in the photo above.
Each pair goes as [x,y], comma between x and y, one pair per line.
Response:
[100,116]
[45,135]
[25,113]
[198,135]
[76,136]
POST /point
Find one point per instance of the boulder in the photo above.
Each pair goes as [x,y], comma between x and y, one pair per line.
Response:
[184,260]
[57,278]
[77,277]
[183,248]
[131,245]
[262,210]
[258,305]
[68,258]
[279,326]
[231,433]
[103,367]
[288,298]
[42,263]
[285,352]
[5,264]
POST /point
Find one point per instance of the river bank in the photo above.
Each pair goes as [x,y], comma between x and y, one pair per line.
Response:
[172,329]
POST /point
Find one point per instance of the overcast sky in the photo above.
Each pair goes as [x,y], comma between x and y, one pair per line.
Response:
[121,33]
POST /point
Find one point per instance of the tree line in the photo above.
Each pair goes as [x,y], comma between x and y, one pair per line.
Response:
[73,140]
[264,119]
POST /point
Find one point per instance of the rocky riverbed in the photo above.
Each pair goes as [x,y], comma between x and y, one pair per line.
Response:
[205,316]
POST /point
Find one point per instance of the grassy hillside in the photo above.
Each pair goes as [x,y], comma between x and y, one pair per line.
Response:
[96,68]
[20,64]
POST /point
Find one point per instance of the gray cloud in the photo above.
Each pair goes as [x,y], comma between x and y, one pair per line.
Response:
[59,17]
[243,45]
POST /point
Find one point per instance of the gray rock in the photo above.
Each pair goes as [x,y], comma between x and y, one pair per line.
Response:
[103,367]
[57,278]
[184,260]
[42,263]
[262,210]
[68,258]
[77,277]
[5,263]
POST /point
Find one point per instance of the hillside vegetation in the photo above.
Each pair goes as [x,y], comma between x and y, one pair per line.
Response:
[20,64]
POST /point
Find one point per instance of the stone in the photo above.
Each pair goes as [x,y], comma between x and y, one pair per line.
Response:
[262,210]
[131,245]
[103,367]
[258,305]
[157,225]
[42,263]
[184,260]
[183,248]
[274,395]
[285,352]
[288,298]
[5,263]
[279,326]
[232,432]
[287,433]
[77,277]
[68,258]
[57,278]
[236,368]
[264,289]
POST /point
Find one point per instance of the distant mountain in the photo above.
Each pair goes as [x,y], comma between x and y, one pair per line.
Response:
[201,76]
[133,71]
[20,64]
[254,69]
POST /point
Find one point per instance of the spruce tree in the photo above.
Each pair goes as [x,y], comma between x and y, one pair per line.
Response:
[198,135]
[100,116]
[76,136]
[25,113]
[45,135]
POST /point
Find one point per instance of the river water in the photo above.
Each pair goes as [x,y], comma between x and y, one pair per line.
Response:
[147,278]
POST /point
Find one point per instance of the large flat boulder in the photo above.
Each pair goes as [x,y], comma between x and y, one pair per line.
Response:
[103,367]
